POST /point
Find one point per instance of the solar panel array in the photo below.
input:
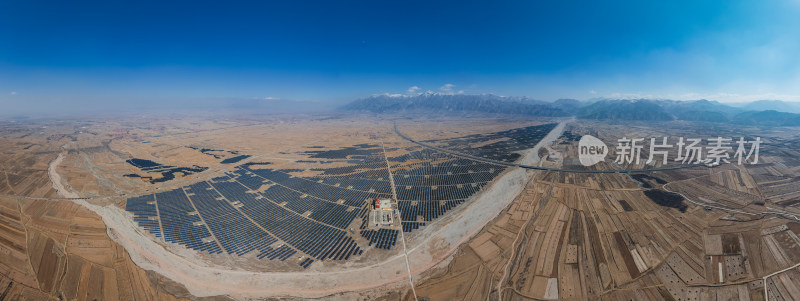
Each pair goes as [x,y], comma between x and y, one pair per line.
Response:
[506,143]
[144,213]
[181,224]
[167,172]
[279,215]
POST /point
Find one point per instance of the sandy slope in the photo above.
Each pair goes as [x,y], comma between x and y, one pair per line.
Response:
[55,178]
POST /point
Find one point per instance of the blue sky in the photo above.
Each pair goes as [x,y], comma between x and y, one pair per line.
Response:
[113,51]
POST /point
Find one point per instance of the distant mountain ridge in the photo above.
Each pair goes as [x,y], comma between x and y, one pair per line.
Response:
[768,117]
[599,109]
[774,105]
[694,110]
[436,102]
[640,109]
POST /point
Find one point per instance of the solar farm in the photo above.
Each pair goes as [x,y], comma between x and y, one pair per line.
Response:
[347,208]
[316,209]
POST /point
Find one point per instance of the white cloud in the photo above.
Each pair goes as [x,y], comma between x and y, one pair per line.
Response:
[592,92]
[447,88]
[13,93]
[413,89]
[389,94]
[271,98]
[631,96]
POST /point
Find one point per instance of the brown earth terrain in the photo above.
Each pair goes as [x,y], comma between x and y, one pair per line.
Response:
[58,250]
[733,236]
[581,236]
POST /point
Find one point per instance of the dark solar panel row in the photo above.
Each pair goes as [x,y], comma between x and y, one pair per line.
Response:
[333,214]
[364,215]
[382,238]
[250,180]
[144,213]
[378,173]
[143,164]
[344,249]
[521,136]
[422,154]
[441,180]
[353,198]
[234,159]
[283,252]
[343,153]
[306,262]
[432,193]
[503,150]
[428,210]
[220,179]
[370,169]
[179,225]
[372,185]
[410,226]
[382,187]
[425,169]
[364,211]
[457,161]
[304,234]
[427,163]
[233,230]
